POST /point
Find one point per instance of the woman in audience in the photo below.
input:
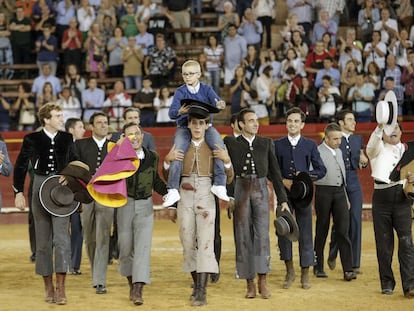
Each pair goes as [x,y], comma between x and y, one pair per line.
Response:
[293,61]
[96,63]
[266,89]
[328,46]
[237,85]
[162,102]
[374,77]
[367,17]
[271,59]
[348,77]
[305,99]
[251,65]
[115,46]
[291,27]
[326,100]
[399,47]
[71,107]
[74,81]
[229,17]
[214,53]
[46,96]
[24,108]
[297,43]
[106,9]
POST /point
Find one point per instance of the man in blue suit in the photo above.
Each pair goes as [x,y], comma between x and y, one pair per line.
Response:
[354,157]
[295,154]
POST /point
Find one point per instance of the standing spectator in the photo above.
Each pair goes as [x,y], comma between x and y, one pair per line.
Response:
[96,218]
[265,11]
[144,11]
[237,85]
[159,22]
[328,94]
[330,198]
[348,80]
[160,62]
[144,100]
[180,11]
[251,29]
[407,79]
[65,13]
[144,39]
[399,47]
[115,46]
[325,24]
[133,58]
[46,76]
[20,37]
[404,13]
[271,59]
[71,107]
[74,81]
[305,99]
[235,50]
[128,21]
[242,6]
[314,60]
[162,103]
[46,48]
[133,114]
[46,96]
[6,53]
[107,9]
[6,166]
[117,102]
[220,4]
[304,11]
[228,18]
[298,44]
[328,70]
[291,26]
[293,61]
[252,64]
[92,99]
[387,26]
[86,17]
[373,77]
[334,8]
[72,44]
[392,70]
[368,16]
[214,53]
[391,209]
[95,43]
[135,220]
[266,89]
[354,158]
[375,51]
[254,161]
[350,48]
[361,96]
[296,154]
[251,100]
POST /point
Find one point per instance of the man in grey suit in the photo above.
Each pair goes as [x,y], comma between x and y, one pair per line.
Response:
[330,197]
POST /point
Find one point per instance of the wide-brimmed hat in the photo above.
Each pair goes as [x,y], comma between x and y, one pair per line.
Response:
[387,112]
[409,186]
[78,176]
[301,191]
[286,225]
[199,109]
[56,198]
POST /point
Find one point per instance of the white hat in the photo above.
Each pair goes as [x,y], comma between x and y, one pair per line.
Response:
[387,112]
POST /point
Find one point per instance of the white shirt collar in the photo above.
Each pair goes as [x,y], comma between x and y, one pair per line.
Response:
[250,140]
[50,135]
[197,143]
[330,149]
[100,143]
[193,89]
[140,154]
[294,140]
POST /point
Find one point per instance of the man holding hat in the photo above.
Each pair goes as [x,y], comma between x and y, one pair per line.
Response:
[391,209]
[254,161]
[49,151]
[197,209]
[300,164]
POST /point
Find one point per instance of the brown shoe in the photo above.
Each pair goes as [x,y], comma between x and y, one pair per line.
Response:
[262,286]
[49,289]
[290,274]
[60,296]
[137,293]
[304,278]
[251,289]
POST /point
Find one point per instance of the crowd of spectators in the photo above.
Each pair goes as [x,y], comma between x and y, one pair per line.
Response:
[316,67]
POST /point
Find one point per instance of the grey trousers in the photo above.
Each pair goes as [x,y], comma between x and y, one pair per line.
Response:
[52,235]
[96,227]
[135,223]
[196,215]
[251,227]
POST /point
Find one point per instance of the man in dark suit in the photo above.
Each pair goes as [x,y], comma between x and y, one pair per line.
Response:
[96,218]
[354,157]
[254,161]
[295,154]
[49,151]
[330,198]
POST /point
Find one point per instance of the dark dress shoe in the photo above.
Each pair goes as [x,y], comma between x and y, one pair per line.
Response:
[349,276]
[100,289]
[320,273]
[387,291]
[409,294]
[214,277]
[332,264]
[357,271]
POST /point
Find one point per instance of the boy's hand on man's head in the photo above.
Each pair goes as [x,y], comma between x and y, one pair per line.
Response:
[184,109]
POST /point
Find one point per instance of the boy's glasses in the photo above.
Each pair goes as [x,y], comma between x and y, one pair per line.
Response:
[189,74]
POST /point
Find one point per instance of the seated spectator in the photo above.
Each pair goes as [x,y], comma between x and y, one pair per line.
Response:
[23,110]
[251,100]
[96,63]
[46,48]
[214,53]
[160,62]
[162,102]
[368,16]
[144,39]
[71,107]
[133,58]
[328,46]
[387,26]
[72,44]
[92,99]
[251,65]
[399,47]
[128,21]
[144,100]
[375,51]
[327,96]
[373,76]
[251,29]
[115,46]
[235,50]
[324,25]
[328,70]
[361,96]
[237,85]
[314,60]
[389,85]
[6,54]
[229,17]
[271,59]
[291,26]
[46,76]
[291,61]
[46,96]
[74,81]
[117,101]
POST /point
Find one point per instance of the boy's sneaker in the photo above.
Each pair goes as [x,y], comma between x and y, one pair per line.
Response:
[171,197]
[220,192]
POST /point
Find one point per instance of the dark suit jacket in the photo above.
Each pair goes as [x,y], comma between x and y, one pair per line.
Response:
[264,158]
[86,150]
[407,157]
[304,157]
[36,150]
[356,145]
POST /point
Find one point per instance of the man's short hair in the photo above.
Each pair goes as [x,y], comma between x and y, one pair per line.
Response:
[71,123]
[296,110]
[46,109]
[243,112]
[97,114]
[129,109]
[332,127]
[128,125]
